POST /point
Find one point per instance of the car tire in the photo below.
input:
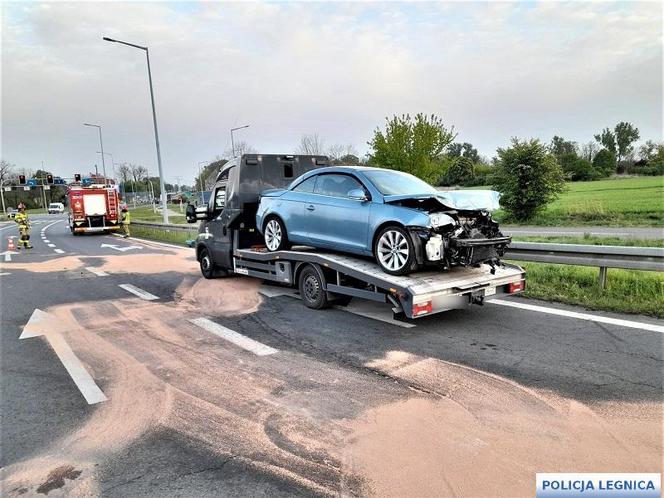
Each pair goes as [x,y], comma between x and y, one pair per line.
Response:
[312,289]
[394,250]
[275,236]
[208,268]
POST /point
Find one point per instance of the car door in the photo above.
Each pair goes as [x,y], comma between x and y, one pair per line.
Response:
[293,212]
[334,220]
[220,242]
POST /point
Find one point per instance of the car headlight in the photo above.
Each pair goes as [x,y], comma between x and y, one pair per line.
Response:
[440,219]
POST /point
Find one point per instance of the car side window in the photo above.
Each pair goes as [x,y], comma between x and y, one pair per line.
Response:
[336,185]
[306,186]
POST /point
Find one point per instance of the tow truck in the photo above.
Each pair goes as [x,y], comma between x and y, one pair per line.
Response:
[93,208]
[229,243]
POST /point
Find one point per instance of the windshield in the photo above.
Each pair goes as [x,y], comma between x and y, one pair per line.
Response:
[54,205]
[398,183]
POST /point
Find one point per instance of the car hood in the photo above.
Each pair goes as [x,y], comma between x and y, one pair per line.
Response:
[464,200]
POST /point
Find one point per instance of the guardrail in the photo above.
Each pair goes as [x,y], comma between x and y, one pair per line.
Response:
[604,257]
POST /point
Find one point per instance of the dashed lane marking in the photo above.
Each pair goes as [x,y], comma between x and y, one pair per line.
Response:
[50,245]
[96,271]
[59,251]
[4,273]
[580,316]
[138,292]
[246,343]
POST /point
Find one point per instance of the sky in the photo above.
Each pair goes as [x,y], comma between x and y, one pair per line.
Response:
[493,70]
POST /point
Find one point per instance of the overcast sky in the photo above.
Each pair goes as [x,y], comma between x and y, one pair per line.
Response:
[493,70]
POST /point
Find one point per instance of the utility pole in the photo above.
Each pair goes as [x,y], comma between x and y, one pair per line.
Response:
[232,141]
[101,145]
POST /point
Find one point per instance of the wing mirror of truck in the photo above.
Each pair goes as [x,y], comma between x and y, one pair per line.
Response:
[194,214]
[358,194]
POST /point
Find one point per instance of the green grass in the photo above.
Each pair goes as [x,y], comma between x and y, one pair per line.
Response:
[174,237]
[614,202]
[591,240]
[145,213]
[627,291]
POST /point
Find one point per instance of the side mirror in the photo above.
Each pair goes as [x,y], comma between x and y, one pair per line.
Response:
[194,214]
[358,194]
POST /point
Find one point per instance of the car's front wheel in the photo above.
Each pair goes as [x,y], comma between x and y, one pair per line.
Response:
[394,250]
[275,235]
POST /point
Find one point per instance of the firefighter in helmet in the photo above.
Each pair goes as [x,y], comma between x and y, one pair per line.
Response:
[23,222]
[125,221]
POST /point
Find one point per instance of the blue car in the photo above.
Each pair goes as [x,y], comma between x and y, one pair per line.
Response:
[398,219]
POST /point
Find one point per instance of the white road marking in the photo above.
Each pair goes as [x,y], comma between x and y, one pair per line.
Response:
[50,245]
[259,349]
[138,292]
[8,255]
[59,251]
[580,316]
[150,242]
[42,323]
[4,273]
[97,272]
[121,249]
[46,240]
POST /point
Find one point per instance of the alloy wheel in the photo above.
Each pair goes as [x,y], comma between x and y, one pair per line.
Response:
[273,235]
[393,251]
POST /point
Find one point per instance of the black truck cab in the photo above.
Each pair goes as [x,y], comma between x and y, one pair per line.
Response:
[228,220]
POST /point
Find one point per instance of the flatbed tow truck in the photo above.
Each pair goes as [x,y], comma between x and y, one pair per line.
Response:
[228,242]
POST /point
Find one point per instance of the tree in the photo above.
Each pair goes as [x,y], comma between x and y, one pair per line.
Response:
[589,150]
[6,169]
[560,147]
[311,144]
[241,147]
[607,139]
[124,170]
[138,172]
[604,163]
[464,150]
[577,168]
[412,145]
[340,154]
[649,150]
[528,177]
[460,172]
[626,134]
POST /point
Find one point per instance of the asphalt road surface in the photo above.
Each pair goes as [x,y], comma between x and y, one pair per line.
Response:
[124,373]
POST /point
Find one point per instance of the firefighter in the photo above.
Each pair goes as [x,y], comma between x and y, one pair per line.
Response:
[125,221]
[23,222]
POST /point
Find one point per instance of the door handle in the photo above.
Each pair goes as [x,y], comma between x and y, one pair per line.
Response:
[310,207]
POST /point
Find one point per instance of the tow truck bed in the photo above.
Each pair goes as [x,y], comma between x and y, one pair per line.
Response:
[414,295]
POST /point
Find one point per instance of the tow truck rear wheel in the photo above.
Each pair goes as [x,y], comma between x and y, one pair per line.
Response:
[312,289]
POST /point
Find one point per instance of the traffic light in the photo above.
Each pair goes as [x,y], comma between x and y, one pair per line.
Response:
[77,177]
[21,179]
[49,179]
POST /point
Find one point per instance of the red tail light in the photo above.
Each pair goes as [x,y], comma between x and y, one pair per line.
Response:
[519,286]
[422,308]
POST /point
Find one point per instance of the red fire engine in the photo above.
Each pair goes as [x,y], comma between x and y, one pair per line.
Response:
[93,208]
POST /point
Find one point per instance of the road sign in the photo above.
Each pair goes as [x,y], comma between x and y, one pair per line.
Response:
[7,189]
[47,187]
[26,188]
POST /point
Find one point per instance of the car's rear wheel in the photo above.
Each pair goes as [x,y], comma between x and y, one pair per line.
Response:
[394,250]
[275,235]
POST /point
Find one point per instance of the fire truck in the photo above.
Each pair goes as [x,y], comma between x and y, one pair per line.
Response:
[93,208]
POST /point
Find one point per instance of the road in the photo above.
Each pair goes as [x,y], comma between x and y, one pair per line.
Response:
[137,377]
[565,231]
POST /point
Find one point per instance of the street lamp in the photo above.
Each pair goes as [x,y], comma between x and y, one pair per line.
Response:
[101,144]
[232,142]
[115,178]
[164,207]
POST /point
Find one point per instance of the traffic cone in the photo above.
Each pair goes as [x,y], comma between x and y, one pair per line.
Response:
[10,246]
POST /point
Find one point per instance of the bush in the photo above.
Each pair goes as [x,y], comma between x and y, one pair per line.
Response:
[528,178]
[605,163]
[460,172]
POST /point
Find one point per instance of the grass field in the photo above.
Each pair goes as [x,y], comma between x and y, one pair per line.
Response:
[627,291]
[590,240]
[145,213]
[615,202]
[174,237]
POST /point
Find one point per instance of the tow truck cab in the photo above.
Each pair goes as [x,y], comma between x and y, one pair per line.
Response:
[231,210]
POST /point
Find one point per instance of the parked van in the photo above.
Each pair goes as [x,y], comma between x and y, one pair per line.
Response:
[56,208]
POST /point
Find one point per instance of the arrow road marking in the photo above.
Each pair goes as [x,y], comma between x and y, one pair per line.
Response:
[121,249]
[8,255]
[138,292]
[97,272]
[42,323]
[259,349]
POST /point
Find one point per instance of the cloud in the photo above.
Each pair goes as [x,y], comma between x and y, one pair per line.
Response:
[494,70]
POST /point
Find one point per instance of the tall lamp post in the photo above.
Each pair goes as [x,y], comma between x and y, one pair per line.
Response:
[115,178]
[232,142]
[101,145]
[164,207]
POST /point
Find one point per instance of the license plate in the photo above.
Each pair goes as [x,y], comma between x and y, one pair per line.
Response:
[489,291]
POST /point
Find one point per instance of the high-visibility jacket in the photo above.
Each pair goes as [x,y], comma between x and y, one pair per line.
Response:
[22,219]
[126,218]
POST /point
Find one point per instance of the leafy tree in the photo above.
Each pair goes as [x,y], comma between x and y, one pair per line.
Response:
[650,150]
[528,177]
[607,139]
[560,147]
[460,172]
[626,134]
[414,145]
[589,151]
[604,163]
[465,149]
